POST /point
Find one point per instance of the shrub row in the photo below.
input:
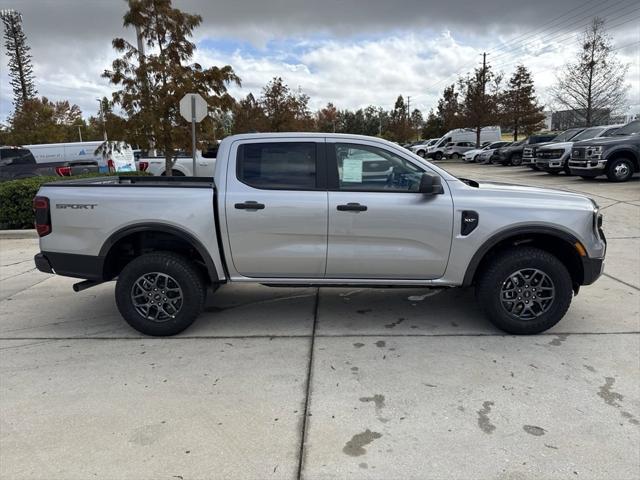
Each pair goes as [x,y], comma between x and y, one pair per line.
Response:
[16,198]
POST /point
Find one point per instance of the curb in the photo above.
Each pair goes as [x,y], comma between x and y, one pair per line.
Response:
[17,234]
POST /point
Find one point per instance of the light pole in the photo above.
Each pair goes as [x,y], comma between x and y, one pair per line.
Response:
[104,128]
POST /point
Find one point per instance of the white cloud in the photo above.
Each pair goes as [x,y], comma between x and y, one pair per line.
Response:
[351,72]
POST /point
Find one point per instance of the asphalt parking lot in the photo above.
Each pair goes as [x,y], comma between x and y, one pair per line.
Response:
[326,383]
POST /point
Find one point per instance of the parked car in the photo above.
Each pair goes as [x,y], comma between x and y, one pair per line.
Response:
[19,162]
[487,156]
[512,154]
[472,155]
[458,149]
[527,250]
[436,150]
[529,152]
[617,157]
[554,158]
[421,148]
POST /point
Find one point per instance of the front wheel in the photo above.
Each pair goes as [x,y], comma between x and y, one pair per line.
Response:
[160,293]
[437,156]
[620,170]
[516,160]
[455,156]
[524,291]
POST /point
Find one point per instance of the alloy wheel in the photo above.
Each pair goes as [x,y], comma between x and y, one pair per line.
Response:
[527,293]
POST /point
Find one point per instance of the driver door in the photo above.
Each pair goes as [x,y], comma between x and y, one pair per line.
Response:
[379,225]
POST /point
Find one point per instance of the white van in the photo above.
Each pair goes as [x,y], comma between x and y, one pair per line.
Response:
[118,157]
[436,150]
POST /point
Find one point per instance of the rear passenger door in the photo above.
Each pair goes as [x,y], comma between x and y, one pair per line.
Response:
[276,207]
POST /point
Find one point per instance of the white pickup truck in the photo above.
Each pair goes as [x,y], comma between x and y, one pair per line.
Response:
[294,209]
[183,166]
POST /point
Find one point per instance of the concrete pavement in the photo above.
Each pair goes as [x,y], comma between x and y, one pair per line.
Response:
[328,383]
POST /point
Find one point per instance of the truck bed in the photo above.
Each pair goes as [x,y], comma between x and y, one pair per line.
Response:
[141,181]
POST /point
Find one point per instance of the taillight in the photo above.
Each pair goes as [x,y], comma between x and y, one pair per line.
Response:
[42,215]
[142,166]
[111,165]
[63,171]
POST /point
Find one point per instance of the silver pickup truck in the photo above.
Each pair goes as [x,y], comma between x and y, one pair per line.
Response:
[293,209]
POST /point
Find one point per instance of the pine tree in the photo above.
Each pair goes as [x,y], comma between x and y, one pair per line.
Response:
[398,127]
[433,126]
[448,110]
[593,86]
[417,122]
[20,67]
[520,106]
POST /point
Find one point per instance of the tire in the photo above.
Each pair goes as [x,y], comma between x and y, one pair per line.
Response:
[165,269]
[455,156]
[515,160]
[420,153]
[174,173]
[437,156]
[620,170]
[498,279]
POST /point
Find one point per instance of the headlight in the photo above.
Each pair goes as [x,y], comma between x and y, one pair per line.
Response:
[593,152]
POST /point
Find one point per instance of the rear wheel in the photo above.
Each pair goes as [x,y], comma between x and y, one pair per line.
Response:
[620,170]
[420,153]
[524,291]
[455,156]
[160,293]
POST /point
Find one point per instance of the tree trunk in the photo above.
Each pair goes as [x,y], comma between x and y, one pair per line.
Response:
[478,131]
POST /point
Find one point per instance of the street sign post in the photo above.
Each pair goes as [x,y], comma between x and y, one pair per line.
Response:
[193,108]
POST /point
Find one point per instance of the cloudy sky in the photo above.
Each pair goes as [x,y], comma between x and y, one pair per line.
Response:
[349,52]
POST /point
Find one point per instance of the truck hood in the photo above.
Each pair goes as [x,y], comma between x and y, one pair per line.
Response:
[533,195]
[556,146]
[605,141]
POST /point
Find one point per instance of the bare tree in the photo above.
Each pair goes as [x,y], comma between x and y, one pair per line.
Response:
[593,86]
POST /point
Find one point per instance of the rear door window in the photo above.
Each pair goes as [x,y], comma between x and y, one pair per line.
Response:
[16,156]
[278,166]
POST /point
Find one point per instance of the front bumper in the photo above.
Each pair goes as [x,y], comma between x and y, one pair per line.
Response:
[588,168]
[592,268]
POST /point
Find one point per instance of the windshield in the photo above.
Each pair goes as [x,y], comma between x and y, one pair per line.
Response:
[632,128]
[567,135]
[588,133]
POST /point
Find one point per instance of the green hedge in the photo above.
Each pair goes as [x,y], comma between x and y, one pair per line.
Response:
[16,198]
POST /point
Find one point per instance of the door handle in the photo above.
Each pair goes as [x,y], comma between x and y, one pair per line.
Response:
[352,207]
[249,205]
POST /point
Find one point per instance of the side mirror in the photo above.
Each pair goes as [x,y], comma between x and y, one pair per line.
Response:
[431,185]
